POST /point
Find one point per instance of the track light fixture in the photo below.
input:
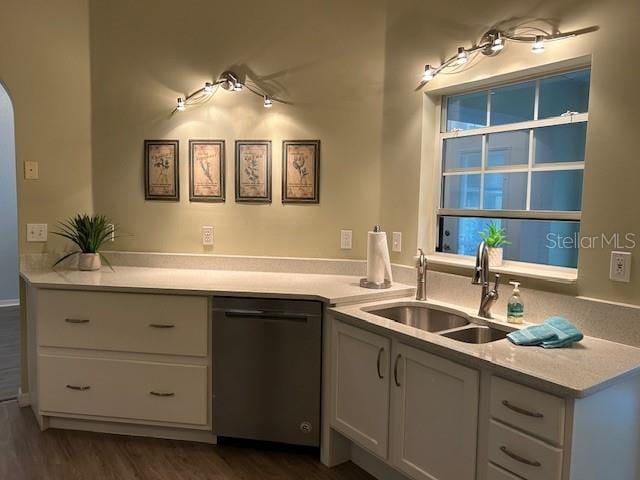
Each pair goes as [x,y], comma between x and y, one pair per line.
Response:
[228,81]
[492,43]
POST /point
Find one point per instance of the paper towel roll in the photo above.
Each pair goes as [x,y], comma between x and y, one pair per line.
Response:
[378,262]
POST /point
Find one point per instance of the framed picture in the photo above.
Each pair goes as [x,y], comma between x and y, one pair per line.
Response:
[206,171]
[253,171]
[161,170]
[300,171]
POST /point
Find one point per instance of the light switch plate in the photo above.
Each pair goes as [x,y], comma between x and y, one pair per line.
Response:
[31,171]
[207,235]
[346,239]
[620,268]
[396,244]
[36,232]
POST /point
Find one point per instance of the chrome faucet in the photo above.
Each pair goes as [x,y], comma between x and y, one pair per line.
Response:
[421,266]
[481,277]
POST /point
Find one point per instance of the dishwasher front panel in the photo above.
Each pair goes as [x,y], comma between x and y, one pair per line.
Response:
[267,369]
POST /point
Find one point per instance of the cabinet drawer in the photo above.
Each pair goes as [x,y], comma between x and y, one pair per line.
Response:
[127,322]
[536,412]
[496,473]
[123,389]
[523,455]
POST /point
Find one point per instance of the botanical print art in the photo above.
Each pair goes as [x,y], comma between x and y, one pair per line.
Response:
[206,168]
[300,172]
[161,170]
[253,171]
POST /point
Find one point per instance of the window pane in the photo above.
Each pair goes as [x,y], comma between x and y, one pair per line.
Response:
[561,143]
[562,93]
[465,152]
[534,241]
[506,191]
[461,191]
[509,148]
[513,103]
[556,190]
[467,111]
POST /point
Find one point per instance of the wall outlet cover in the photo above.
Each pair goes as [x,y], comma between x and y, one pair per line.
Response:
[36,232]
[112,237]
[207,235]
[620,267]
[346,239]
[396,243]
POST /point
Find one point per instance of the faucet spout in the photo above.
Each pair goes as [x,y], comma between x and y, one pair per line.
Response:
[421,284]
[481,277]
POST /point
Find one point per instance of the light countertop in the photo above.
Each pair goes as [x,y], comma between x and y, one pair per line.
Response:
[583,369]
[334,289]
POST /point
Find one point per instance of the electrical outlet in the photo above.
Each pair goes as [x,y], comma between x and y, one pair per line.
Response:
[207,235]
[112,227]
[346,239]
[620,268]
[31,170]
[396,243]
[36,232]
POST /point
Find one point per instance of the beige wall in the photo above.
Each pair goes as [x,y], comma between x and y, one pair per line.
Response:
[325,57]
[44,65]
[419,32]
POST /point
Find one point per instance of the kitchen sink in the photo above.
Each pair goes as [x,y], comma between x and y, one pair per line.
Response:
[422,317]
[476,334]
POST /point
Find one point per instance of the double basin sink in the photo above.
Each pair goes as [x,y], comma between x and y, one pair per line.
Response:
[442,322]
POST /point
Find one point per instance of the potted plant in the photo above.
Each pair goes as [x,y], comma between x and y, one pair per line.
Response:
[495,238]
[88,233]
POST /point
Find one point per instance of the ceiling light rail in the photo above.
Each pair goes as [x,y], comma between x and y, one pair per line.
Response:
[228,81]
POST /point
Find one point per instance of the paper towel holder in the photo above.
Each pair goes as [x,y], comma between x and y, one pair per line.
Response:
[364,283]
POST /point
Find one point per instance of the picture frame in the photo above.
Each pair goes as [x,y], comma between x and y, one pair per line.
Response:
[301,171]
[253,171]
[162,170]
[207,171]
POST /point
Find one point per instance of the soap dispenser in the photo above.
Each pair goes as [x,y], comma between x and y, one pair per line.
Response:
[515,306]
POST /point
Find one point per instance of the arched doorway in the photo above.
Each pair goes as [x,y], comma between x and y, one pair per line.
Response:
[9,303]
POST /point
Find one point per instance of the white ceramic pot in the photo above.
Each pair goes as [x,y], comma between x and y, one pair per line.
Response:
[495,256]
[89,262]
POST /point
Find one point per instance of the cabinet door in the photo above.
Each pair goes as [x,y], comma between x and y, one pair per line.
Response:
[434,416]
[360,401]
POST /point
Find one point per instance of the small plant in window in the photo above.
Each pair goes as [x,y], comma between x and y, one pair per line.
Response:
[495,238]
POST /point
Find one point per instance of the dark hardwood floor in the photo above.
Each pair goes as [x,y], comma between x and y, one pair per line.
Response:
[26,454]
[9,352]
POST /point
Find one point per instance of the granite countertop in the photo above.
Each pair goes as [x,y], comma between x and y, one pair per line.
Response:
[581,370]
[333,289]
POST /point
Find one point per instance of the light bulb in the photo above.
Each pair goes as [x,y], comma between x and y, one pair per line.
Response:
[237,87]
[538,44]
[268,103]
[498,43]
[208,88]
[462,56]
[180,106]
[428,73]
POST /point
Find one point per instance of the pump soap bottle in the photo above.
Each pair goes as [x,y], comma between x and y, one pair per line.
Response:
[515,307]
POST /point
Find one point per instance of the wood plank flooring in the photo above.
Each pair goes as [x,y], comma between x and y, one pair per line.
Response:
[28,454]
[9,352]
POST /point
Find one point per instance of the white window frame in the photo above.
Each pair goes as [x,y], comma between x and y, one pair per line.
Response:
[531,167]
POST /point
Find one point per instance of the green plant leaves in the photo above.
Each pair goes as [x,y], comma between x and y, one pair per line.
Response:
[494,236]
[88,232]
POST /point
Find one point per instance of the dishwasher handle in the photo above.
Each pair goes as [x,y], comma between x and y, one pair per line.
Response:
[267,315]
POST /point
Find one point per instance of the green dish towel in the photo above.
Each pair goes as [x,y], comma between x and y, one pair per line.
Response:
[555,332]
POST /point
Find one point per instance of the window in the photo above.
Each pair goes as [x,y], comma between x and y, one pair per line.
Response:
[514,154]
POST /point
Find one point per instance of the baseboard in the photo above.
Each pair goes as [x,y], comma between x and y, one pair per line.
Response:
[23,398]
[12,302]
[373,465]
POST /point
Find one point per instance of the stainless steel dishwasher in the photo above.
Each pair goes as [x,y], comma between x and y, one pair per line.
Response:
[267,369]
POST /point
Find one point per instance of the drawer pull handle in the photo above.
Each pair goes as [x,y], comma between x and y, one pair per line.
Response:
[162,394]
[161,325]
[521,411]
[518,458]
[380,352]
[80,388]
[395,370]
[76,320]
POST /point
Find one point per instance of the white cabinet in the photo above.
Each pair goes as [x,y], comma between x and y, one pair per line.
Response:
[434,416]
[360,403]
